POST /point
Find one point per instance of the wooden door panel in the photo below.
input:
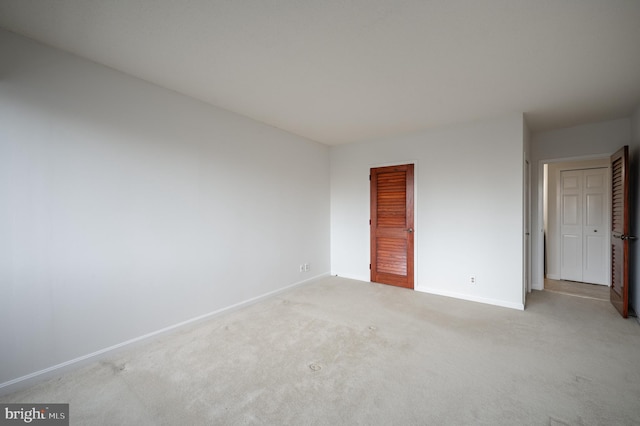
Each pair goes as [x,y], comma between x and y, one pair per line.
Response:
[617,275]
[619,293]
[392,225]
[391,200]
[392,256]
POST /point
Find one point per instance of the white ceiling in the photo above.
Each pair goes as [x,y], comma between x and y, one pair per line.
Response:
[340,71]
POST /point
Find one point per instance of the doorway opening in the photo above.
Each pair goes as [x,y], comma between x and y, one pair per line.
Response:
[392,225]
[576,225]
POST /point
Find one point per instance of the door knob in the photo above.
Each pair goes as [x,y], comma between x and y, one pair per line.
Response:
[410,230]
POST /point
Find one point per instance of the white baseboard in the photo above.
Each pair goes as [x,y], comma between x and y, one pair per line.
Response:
[495,302]
[55,370]
[554,277]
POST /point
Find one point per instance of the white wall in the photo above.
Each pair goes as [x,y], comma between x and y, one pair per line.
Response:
[589,141]
[469,215]
[634,288]
[126,208]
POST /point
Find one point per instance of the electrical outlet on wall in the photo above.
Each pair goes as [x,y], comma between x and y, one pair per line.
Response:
[472,279]
[301,268]
[307,267]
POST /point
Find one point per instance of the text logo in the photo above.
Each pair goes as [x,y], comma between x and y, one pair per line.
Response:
[35,414]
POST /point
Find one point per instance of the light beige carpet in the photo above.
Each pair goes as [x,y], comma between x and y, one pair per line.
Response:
[343,352]
[592,291]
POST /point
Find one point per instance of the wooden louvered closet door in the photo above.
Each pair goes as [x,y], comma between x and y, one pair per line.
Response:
[619,293]
[392,225]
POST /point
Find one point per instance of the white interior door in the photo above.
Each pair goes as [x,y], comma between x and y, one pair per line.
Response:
[571,225]
[584,225]
[596,229]
[527,229]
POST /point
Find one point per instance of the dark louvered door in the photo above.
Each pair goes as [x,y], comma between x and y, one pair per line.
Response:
[392,225]
[619,293]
